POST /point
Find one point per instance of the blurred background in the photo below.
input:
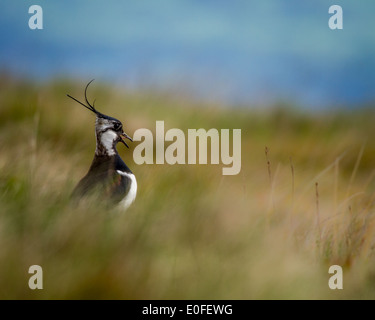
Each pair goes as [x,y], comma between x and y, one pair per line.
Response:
[302,95]
[237,52]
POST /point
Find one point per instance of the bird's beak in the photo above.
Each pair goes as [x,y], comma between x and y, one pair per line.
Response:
[123,134]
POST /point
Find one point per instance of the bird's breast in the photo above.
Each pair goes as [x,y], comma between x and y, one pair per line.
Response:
[131,193]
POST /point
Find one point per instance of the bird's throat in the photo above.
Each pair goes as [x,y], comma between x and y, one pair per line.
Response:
[106,143]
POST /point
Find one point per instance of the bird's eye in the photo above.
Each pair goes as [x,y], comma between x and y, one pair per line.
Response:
[117,126]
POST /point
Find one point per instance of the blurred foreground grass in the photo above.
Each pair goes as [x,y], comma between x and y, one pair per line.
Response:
[192,233]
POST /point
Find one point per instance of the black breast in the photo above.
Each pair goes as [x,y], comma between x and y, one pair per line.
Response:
[103,181]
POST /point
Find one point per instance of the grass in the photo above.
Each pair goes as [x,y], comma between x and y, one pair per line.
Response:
[270,232]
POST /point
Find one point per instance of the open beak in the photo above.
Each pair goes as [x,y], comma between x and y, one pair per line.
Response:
[123,134]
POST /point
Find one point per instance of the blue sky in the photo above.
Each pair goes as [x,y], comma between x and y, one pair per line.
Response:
[247,52]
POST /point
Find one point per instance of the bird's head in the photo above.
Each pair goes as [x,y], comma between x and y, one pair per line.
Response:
[109,131]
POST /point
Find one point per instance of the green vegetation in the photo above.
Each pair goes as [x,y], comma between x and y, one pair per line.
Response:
[269,232]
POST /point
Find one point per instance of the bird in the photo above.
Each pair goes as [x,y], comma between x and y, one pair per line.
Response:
[108,178]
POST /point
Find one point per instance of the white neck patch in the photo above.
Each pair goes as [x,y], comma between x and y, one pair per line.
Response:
[107,139]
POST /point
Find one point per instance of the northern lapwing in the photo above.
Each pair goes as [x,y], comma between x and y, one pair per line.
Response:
[108,178]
